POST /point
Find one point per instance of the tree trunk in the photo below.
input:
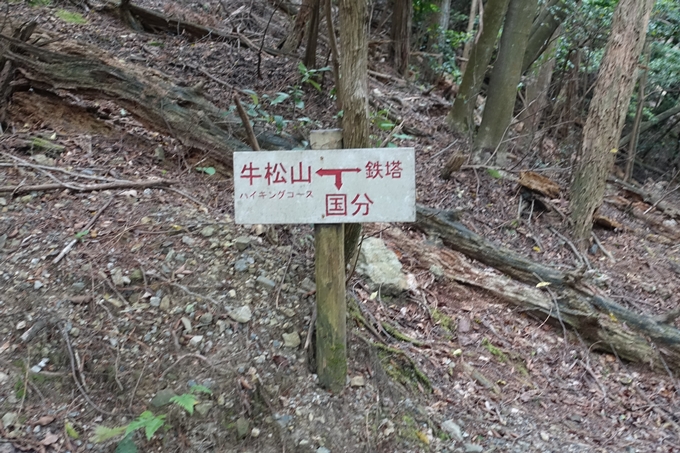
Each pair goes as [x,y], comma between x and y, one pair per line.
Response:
[607,113]
[505,77]
[354,90]
[543,29]
[637,122]
[474,6]
[438,24]
[401,35]
[296,34]
[460,116]
[658,119]
[313,36]
[602,322]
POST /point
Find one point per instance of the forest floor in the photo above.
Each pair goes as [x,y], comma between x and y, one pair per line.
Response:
[151,300]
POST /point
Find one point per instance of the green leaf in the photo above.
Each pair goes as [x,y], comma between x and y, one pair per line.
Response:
[303,69]
[253,96]
[391,145]
[207,170]
[494,173]
[300,104]
[102,433]
[153,425]
[200,389]
[186,401]
[315,84]
[82,234]
[145,419]
[279,121]
[127,445]
[402,137]
[280,98]
[71,431]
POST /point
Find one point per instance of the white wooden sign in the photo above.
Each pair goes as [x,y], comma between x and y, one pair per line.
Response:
[329,186]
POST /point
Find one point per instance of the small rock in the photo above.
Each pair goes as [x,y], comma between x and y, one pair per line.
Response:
[231,294]
[289,312]
[78,287]
[165,303]
[283,420]
[242,426]
[21,325]
[242,315]
[260,359]
[207,231]
[187,324]
[155,301]
[473,448]
[357,381]
[136,275]
[545,436]
[188,240]
[242,243]
[259,229]
[26,198]
[206,319]
[453,430]
[381,267]
[42,159]
[162,398]
[204,408]
[3,201]
[322,450]
[266,282]
[195,340]
[221,325]
[4,377]
[9,419]
[437,271]
[241,265]
[118,278]
[38,284]
[291,340]
[255,432]
[75,332]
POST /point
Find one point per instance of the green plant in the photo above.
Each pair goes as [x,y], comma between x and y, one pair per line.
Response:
[71,18]
[147,421]
[309,76]
[207,170]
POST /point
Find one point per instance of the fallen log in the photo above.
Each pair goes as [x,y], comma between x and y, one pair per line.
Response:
[605,324]
[148,95]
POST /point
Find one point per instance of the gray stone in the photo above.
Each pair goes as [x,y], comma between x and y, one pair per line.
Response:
[241,265]
[207,231]
[9,419]
[357,381]
[291,340]
[473,448]
[4,377]
[265,282]
[453,430]
[204,408]
[206,319]
[242,315]
[242,427]
[437,271]
[322,450]
[188,240]
[242,243]
[162,398]
[42,159]
[38,284]
[381,266]
[78,287]
[118,278]
[255,432]
[165,303]
[155,301]
[195,341]
[3,201]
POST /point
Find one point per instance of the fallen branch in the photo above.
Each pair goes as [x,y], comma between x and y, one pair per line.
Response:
[87,227]
[88,188]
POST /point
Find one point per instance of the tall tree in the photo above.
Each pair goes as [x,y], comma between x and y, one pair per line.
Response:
[438,24]
[401,34]
[505,77]
[460,116]
[543,28]
[607,113]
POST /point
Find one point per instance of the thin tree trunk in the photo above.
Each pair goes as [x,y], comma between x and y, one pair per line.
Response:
[296,34]
[505,77]
[312,36]
[543,29]
[439,23]
[474,6]
[607,113]
[401,34]
[460,116]
[658,119]
[635,134]
[354,90]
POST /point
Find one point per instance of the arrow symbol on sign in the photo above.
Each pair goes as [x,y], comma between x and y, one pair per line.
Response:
[337,172]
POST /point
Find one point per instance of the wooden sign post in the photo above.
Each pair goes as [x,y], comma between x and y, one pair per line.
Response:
[327,186]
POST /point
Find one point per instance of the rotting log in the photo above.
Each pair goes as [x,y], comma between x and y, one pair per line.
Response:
[148,95]
[602,322]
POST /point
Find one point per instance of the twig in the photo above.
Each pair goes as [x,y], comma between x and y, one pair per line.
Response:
[87,227]
[185,356]
[23,163]
[121,184]
[103,276]
[259,52]
[64,334]
[573,248]
[188,197]
[246,124]
[334,48]
[285,272]
[604,250]
[662,413]
[184,288]
[392,133]
[23,395]
[132,397]
[310,330]
[592,373]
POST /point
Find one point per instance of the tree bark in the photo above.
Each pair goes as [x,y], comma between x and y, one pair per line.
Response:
[313,36]
[658,119]
[605,324]
[439,24]
[607,113]
[474,5]
[543,29]
[296,34]
[460,116]
[354,90]
[637,122]
[505,77]
[401,35]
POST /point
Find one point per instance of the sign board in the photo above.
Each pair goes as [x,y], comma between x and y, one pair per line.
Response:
[329,186]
